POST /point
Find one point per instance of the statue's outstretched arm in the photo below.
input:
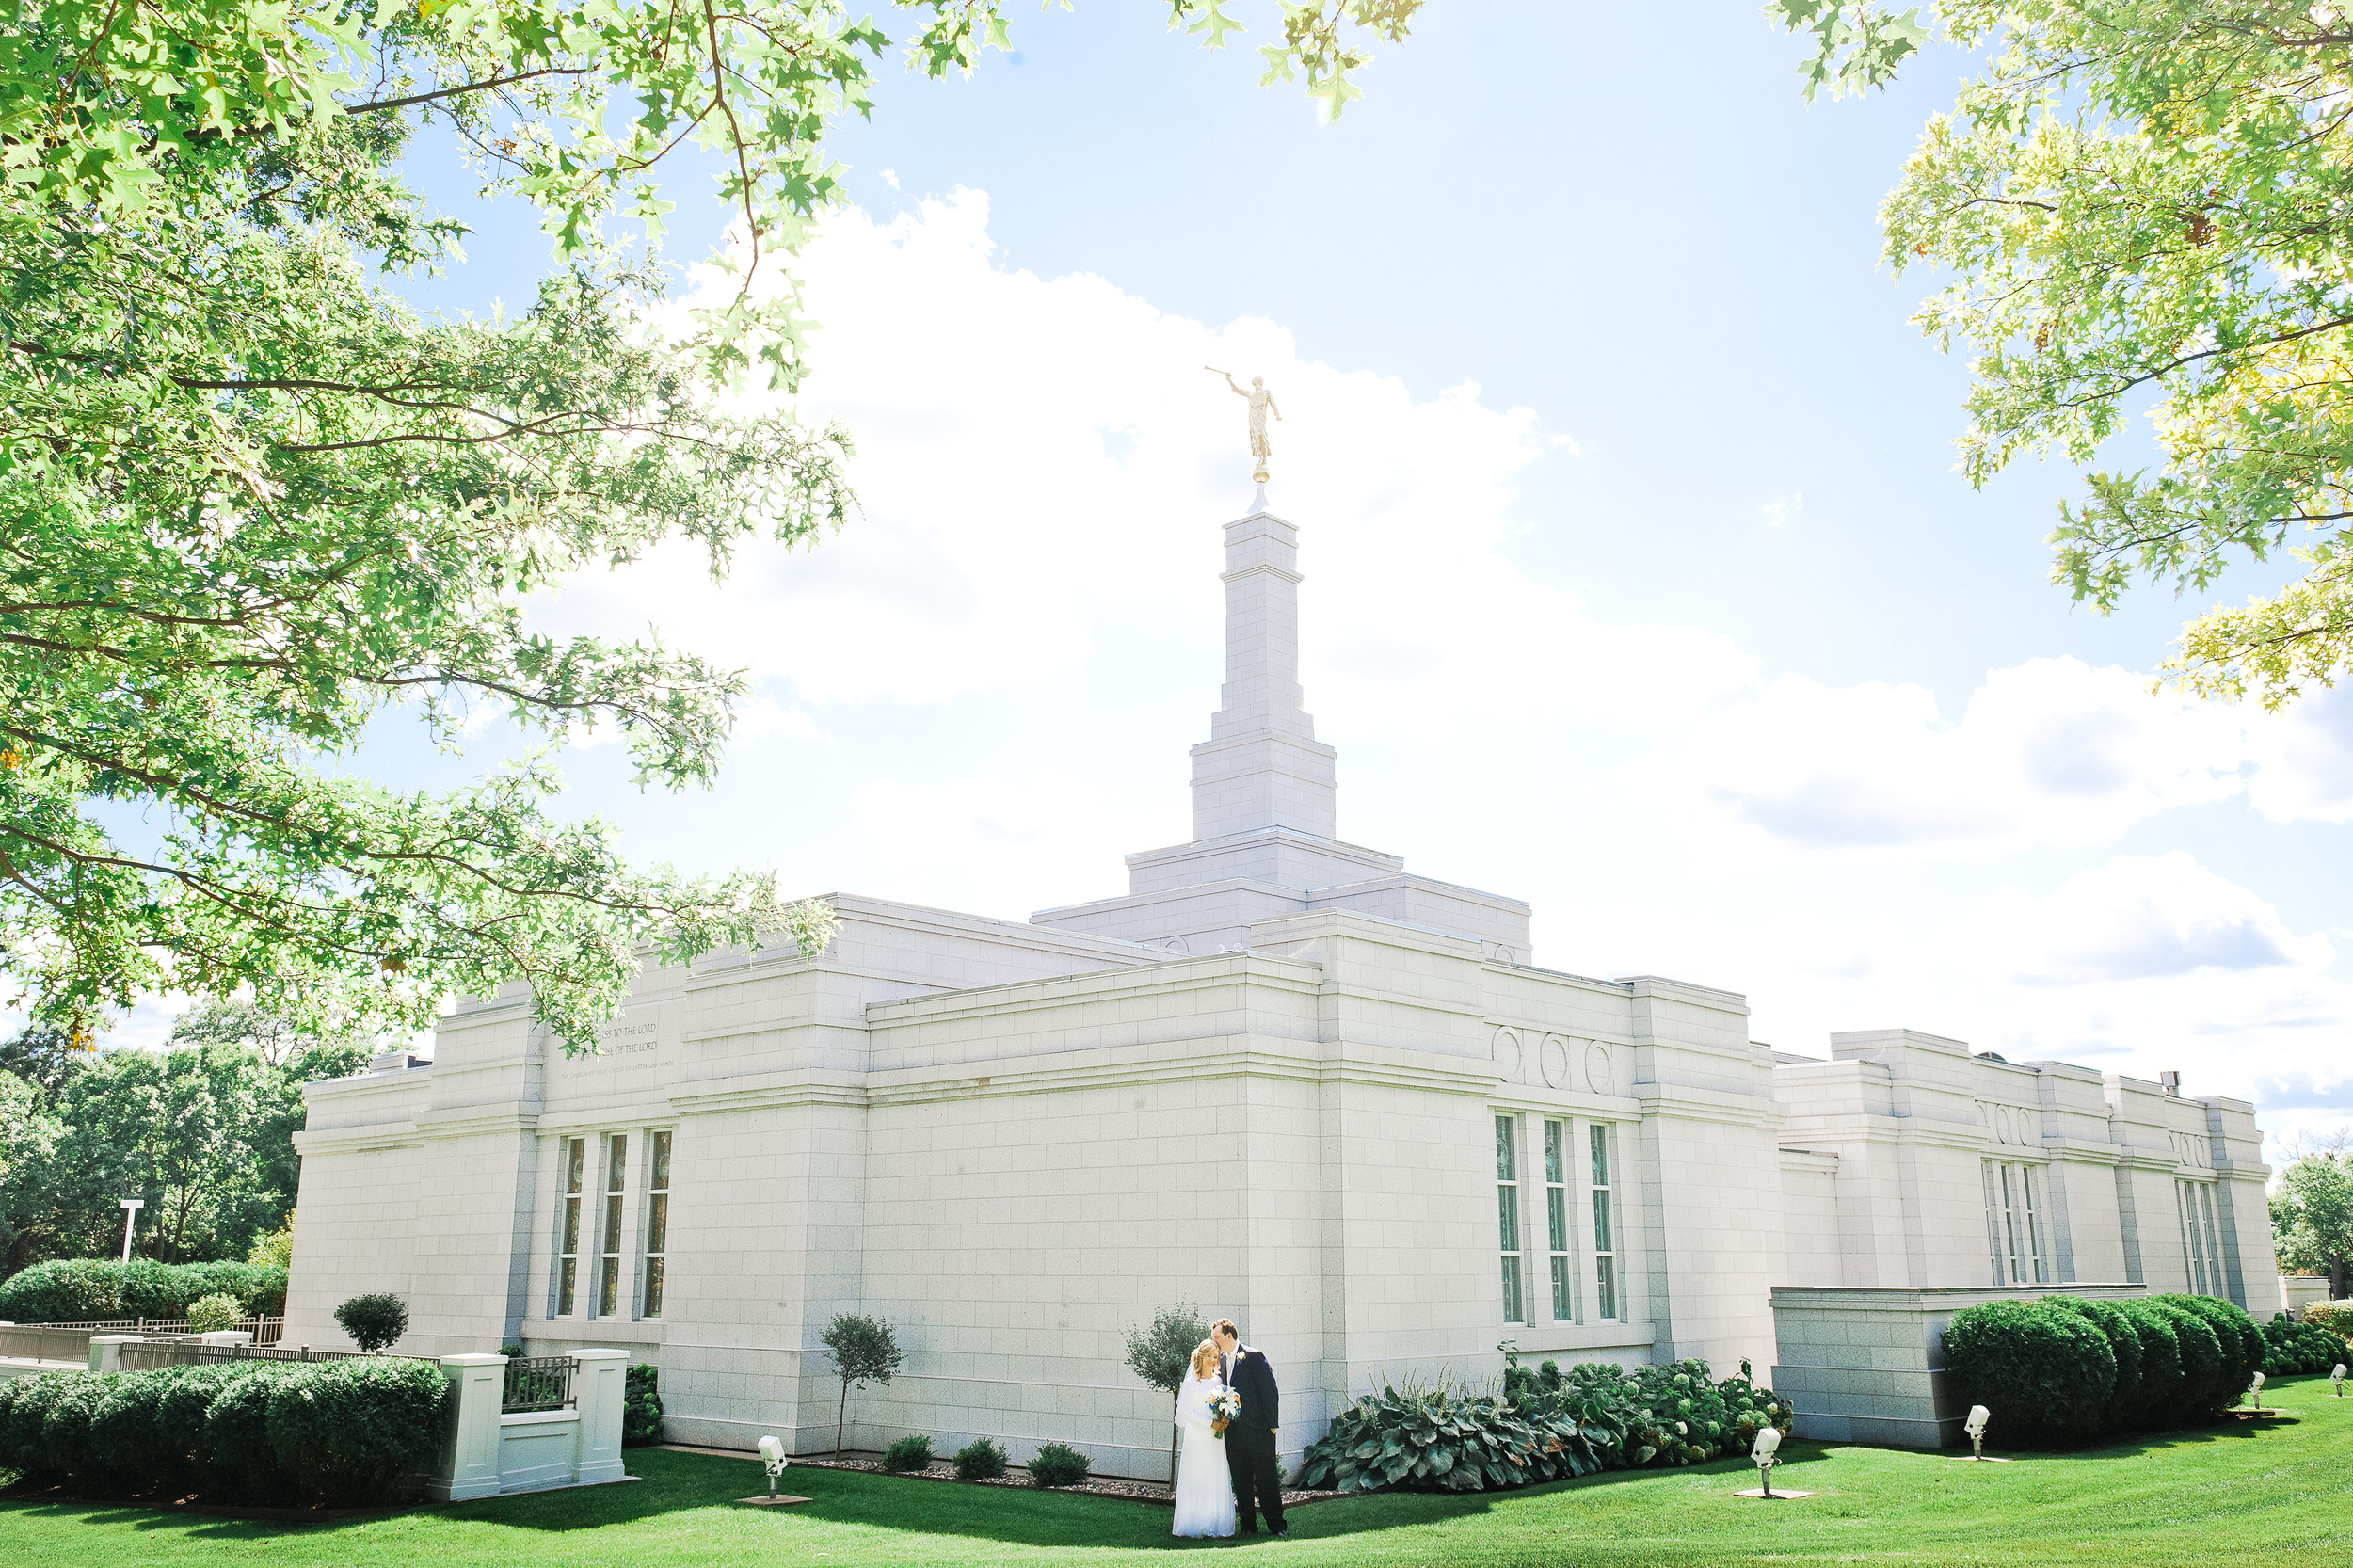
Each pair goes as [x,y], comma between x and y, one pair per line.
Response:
[1229,379]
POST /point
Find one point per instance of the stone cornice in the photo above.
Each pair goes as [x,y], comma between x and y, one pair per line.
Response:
[932,1085]
[466,1121]
[1685,1103]
[353,1140]
[1175,977]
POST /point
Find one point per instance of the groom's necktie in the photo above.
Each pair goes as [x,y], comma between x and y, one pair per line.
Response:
[1226,1371]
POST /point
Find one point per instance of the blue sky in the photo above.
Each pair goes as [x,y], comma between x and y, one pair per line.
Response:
[1641,584]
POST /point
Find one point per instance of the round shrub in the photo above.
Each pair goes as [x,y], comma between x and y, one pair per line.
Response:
[2046,1372]
[181,1416]
[24,1410]
[376,1321]
[355,1431]
[2204,1374]
[126,1450]
[1058,1465]
[214,1313]
[2291,1347]
[2161,1385]
[2242,1340]
[235,1441]
[641,1406]
[979,1460]
[908,1453]
[2123,1343]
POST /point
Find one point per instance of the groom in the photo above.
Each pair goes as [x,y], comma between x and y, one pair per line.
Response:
[1250,1441]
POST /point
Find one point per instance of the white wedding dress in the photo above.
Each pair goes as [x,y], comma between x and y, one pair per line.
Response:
[1205,1488]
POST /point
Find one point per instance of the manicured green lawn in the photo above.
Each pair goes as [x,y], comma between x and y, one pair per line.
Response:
[2282,1493]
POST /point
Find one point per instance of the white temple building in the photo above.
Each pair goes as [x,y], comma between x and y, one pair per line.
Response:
[1282,1078]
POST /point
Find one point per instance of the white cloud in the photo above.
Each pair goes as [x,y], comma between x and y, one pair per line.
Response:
[2048,752]
[1044,464]
[1781,509]
[1036,457]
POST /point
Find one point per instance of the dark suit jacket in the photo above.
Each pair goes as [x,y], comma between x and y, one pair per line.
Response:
[1250,1374]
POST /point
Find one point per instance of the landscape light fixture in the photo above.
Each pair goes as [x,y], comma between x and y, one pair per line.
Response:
[1768,1447]
[1978,1418]
[2336,1375]
[131,1207]
[772,1459]
[1767,1454]
[2255,1390]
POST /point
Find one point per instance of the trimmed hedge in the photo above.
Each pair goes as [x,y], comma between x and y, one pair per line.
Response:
[83,1290]
[339,1431]
[2124,1337]
[2336,1317]
[2048,1370]
[2062,1370]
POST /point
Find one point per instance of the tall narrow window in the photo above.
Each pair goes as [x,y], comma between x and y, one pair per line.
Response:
[2034,1223]
[2215,1286]
[1557,1221]
[575,1158]
[1508,1214]
[657,1220]
[1605,1244]
[2014,1214]
[2202,1238]
[609,1272]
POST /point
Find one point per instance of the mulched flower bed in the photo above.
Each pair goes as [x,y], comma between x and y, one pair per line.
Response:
[941,1469]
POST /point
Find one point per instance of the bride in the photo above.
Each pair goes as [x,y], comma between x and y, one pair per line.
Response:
[1205,1488]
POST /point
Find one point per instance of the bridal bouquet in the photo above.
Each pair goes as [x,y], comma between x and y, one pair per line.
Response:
[1225,1410]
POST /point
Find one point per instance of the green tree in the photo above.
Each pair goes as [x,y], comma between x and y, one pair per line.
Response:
[2143,205]
[2311,1216]
[204,1134]
[1160,1353]
[865,1349]
[250,501]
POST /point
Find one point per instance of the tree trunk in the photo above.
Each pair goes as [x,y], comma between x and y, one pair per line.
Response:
[843,1419]
[1174,1433]
[2336,1279]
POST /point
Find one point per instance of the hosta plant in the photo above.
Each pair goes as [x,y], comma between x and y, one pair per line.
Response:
[1539,1425]
[1441,1437]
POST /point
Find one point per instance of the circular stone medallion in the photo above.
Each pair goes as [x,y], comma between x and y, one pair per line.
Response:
[1597,1069]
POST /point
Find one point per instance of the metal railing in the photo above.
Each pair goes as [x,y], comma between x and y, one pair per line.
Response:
[46,1342]
[266,1330]
[537,1383]
[190,1349]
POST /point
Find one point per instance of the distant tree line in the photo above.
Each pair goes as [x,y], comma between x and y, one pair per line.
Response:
[202,1130]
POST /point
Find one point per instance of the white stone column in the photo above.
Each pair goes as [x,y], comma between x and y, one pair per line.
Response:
[105,1350]
[600,1383]
[468,1464]
[1261,766]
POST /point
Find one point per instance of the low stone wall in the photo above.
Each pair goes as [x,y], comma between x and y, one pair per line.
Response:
[489,1453]
[1866,1364]
[2300,1291]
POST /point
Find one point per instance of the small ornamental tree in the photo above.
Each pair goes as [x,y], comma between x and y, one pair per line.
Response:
[1161,1351]
[865,1349]
[375,1321]
[212,1314]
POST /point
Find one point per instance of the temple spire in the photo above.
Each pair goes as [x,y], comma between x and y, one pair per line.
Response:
[1262,767]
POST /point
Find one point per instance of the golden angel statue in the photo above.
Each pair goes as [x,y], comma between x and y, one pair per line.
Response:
[1261,403]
